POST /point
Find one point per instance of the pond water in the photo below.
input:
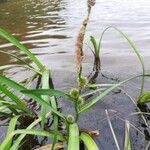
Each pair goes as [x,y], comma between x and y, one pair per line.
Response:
[49,29]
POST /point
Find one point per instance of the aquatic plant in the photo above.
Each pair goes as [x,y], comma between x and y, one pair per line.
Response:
[96,52]
[14,106]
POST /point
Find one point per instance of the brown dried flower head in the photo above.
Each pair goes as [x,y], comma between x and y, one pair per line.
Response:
[91,3]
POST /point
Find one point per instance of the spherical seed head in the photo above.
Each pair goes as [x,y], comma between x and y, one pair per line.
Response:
[74,93]
[80,101]
[70,118]
[82,81]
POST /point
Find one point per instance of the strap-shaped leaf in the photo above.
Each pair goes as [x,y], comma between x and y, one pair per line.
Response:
[88,141]
[73,142]
[21,104]
[50,134]
[105,93]
[144,98]
[21,47]
[36,98]
[16,57]
[11,128]
[50,92]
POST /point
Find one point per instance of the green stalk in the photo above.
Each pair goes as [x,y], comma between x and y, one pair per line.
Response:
[56,119]
[44,110]
[73,141]
[88,141]
[45,85]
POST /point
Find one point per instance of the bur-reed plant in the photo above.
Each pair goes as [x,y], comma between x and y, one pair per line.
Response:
[73,135]
[12,96]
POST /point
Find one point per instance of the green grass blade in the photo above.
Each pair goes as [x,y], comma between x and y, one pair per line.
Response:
[50,92]
[3,101]
[8,66]
[45,104]
[45,85]
[16,57]
[88,141]
[144,98]
[13,108]
[40,133]
[3,107]
[20,103]
[11,128]
[11,83]
[134,48]
[93,40]
[20,137]
[73,142]
[127,143]
[104,94]
[56,119]
[14,41]
[49,134]
[20,88]
[16,65]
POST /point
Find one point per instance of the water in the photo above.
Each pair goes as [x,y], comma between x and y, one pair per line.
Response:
[49,29]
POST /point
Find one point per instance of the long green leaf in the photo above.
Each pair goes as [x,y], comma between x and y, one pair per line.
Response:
[31,132]
[88,141]
[21,104]
[104,94]
[20,137]
[11,128]
[144,98]
[14,41]
[16,57]
[50,92]
[93,40]
[16,65]
[132,45]
[20,88]
[13,108]
[73,142]
[3,107]
[3,101]
[56,119]
[45,85]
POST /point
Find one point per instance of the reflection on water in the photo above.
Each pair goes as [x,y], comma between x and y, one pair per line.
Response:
[49,27]
[34,23]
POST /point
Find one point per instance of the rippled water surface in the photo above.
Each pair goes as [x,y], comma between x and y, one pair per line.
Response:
[49,28]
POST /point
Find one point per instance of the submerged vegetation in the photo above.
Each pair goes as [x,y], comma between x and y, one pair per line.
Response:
[65,130]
